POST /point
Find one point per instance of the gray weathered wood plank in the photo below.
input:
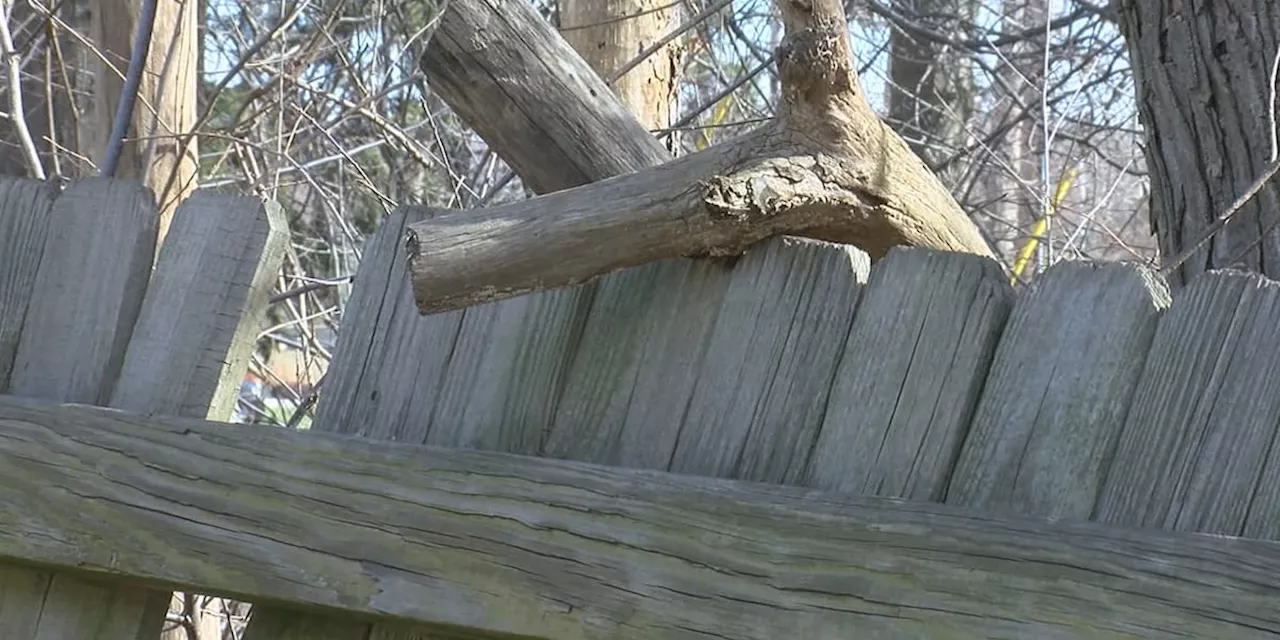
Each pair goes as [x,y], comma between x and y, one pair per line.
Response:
[92,275]
[496,543]
[910,374]
[203,307]
[88,290]
[289,624]
[480,377]
[21,590]
[1198,448]
[755,405]
[1056,397]
[25,208]
[511,77]
[712,368]
[643,333]
[96,609]
[387,361]
[501,384]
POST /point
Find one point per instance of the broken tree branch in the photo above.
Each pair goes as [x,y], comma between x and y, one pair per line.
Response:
[827,168]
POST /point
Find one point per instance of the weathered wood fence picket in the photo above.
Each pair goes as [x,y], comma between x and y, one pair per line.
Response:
[789,444]
[875,392]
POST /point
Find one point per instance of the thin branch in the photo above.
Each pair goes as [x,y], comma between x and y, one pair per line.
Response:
[1223,218]
[17,110]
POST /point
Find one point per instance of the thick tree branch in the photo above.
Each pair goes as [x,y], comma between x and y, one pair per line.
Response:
[828,168]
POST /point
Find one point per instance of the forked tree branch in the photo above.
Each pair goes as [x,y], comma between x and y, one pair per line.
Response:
[826,168]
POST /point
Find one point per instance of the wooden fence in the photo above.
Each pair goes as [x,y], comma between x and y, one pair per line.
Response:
[958,461]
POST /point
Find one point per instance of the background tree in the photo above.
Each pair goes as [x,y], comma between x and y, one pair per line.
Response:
[160,152]
[612,35]
[1206,87]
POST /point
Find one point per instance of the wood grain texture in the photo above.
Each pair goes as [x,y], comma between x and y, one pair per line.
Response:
[375,374]
[482,377]
[94,609]
[645,334]
[88,290]
[713,368]
[25,208]
[510,76]
[755,406]
[507,73]
[201,316]
[1198,448]
[716,202]
[910,374]
[513,79]
[203,308]
[505,544]
[611,35]
[1056,397]
[290,624]
[466,258]
[93,274]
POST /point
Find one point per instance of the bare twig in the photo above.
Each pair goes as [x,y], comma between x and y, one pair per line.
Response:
[1271,106]
[17,112]
[309,287]
[1223,218]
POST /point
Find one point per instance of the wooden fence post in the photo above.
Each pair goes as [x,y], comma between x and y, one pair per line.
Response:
[910,375]
[1055,400]
[25,207]
[184,355]
[87,293]
[204,307]
[94,271]
[1198,450]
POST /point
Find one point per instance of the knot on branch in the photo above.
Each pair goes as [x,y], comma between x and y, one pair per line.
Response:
[798,191]
[756,197]
[814,64]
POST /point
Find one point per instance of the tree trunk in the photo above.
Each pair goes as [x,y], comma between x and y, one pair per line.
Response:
[931,91]
[609,34]
[1022,74]
[166,104]
[1203,75]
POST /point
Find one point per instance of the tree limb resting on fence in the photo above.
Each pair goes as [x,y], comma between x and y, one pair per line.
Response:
[827,168]
[502,544]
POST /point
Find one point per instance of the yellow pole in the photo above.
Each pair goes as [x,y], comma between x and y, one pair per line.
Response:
[1041,224]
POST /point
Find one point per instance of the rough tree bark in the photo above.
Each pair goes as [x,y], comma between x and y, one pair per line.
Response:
[166,98]
[1203,73]
[827,168]
[608,34]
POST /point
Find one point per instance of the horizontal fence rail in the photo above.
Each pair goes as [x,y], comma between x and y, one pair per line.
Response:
[497,543]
